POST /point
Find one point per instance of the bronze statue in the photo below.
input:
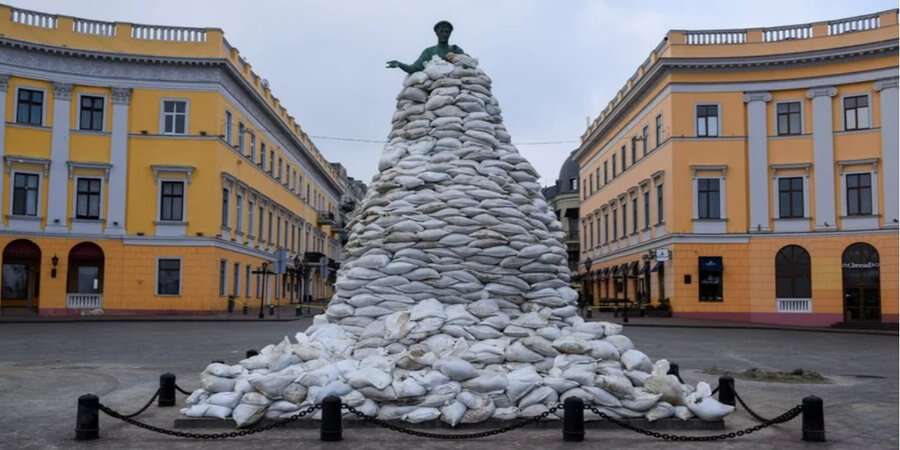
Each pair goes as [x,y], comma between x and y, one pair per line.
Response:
[442,29]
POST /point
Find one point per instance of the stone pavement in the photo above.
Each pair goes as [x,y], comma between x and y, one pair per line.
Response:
[45,367]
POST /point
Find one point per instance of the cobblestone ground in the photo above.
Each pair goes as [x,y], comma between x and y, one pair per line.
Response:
[45,367]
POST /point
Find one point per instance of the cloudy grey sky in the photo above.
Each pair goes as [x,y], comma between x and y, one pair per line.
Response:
[553,63]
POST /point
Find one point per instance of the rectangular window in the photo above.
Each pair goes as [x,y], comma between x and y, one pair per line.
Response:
[615,222]
[605,172]
[591,240]
[239,213]
[262,152]
[573,184]
[710,278]
[645,135]
[223,275]
[279,170]
[271,161]
[250,217]
[614,167]
[591,183]
[259,234]
[606,227]
[269,230]
[172,201]
[30,107]
[790,197]
[634,215]
[168,277]
[174,117]
[228,127]
[633,150]
[646,209]
[247,280]
[658,141]
[584,189]
[856,112]
[225,198]
[278,232]
[91,115]
[624,219]
[25,194]
[597,177]
[623,159]
[708,198]
[659,204]
[87,198]
[236,280]
[707,120]
[788,116]
[859,194]
[241,132]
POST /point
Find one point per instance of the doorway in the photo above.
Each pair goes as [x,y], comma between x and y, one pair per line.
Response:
[21,275]
[862,283]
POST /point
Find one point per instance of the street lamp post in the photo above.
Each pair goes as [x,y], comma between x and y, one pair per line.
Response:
[264,272]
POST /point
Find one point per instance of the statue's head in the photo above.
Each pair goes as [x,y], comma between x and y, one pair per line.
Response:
[443,29]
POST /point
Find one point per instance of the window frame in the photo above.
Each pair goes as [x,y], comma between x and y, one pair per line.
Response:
[791,192]
[80,125]
[159,211]
[223,277]
[239,211]
[163,113]
[44,103]
[868,115]
[703,196]
[645,195]
[229,122]
[721,284]
[226,205]
[236,279]
[99,198]
[658,130]
[180,277]
[790,131]
[871,203]
[793,274]
[634,214]
[12,193]
[660,203]
[718,117]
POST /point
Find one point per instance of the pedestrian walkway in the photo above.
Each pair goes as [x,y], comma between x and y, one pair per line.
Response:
[280,313]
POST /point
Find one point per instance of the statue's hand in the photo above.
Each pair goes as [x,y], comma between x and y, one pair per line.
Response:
[393,64]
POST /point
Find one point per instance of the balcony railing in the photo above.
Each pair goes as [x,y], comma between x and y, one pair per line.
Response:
[794,305]
[715,37]
[84,301]
[851,24]
[787,33]
[95,27]
[34,18]
[163,33]
[326,218]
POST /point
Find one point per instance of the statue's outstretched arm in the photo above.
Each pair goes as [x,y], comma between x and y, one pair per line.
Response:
[417,66]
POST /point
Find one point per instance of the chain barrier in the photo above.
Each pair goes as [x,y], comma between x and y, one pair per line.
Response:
[144,408]
[750,411]
[183,391]
[714,391]
[451,436]
[786,417]
[231,434]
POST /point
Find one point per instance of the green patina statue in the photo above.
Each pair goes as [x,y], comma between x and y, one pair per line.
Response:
[442,29]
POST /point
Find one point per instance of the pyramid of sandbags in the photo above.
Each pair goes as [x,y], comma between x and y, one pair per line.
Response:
[453,302]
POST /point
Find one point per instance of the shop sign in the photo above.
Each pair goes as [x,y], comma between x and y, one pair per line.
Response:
[662,254]
[868,265]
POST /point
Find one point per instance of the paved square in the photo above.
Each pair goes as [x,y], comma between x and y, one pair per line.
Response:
[45,367]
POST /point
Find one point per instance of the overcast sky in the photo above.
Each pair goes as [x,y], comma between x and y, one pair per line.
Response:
[553,63]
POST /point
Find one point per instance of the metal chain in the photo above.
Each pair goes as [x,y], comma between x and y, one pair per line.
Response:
[451,436]
[232,434]
[787,416]
[750,411]
[144,408]
[183,391]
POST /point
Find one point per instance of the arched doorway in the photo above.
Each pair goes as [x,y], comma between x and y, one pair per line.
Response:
[21,275]
[793,285]
[862,283]
[84,279]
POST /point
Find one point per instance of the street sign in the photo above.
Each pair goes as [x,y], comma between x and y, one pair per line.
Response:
[662,254]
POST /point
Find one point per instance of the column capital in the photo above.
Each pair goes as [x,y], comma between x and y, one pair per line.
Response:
[757,97]
[4,82]
[886,84]
[121,96]
[62,91]
[829,91]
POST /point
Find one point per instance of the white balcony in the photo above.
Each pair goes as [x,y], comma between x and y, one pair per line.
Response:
[794,305]
[84,301]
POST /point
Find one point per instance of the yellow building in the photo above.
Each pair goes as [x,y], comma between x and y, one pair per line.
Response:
[750,175]
[149,170]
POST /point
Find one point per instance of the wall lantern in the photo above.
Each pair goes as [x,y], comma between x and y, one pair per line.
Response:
[54,261]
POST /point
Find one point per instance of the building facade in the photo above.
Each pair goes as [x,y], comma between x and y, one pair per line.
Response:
[149,170]
[563,198]
[751,175]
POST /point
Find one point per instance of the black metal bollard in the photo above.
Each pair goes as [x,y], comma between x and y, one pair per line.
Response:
[251,353]
[87,422]
[298,311]
[246,310]
[625,314]
[573,420]
[271,310]
[166,390]
[590,312]
[813,419]
[726,390]
[332,428]
[674,370]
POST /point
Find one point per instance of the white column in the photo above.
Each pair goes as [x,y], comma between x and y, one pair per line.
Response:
[4,83]
[889,151]
[59,154]
[115,216]
[823,156]
[758,159]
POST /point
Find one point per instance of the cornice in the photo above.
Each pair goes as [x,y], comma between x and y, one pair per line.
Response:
[664,65]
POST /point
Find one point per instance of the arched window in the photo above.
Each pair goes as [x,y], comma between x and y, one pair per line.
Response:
[792,268]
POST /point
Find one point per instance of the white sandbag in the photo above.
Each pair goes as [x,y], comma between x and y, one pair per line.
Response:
[420,415]
[246,415]
[407,388]
[641,402]
[704,406]
[226,399]
[636,360]
[602,397]
[507,413]
[397,325]
[621,342]
[271,385]
[661,410]
[484,308]
[518,352]
[295,393]
[682,412]
[572,345]
[224,370]
[539,345]
[535,411]
[427,308]
[619,386]
[487,382]
[637,377]
[214,384]
[601,349]
[197,397]
[542,394]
